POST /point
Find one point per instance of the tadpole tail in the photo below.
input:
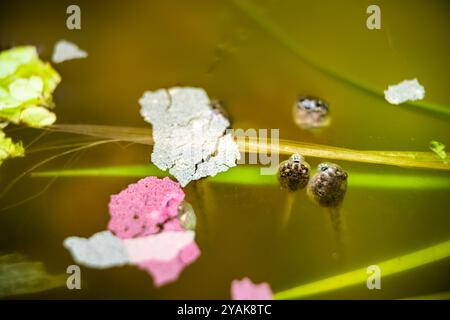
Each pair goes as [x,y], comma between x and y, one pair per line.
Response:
[287,210]
[336,222]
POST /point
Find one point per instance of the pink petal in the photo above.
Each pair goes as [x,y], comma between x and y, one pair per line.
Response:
[245,289]
[164,272]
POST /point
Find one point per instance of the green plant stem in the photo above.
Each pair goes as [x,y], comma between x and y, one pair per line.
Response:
[426,160]
[359,276]
[250,175]
[256,15]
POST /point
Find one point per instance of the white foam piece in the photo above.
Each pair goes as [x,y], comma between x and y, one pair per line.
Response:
[189,135]
[407,90]
[102,250]
[66,50]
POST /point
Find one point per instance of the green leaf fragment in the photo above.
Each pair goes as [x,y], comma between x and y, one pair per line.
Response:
[439,149]
[26,89]
[26,82]
[9,149]
[19,276]
[37,117]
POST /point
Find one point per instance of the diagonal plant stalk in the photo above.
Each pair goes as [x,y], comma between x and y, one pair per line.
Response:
[250,175]
[254,13]
[388,267]
[426,160]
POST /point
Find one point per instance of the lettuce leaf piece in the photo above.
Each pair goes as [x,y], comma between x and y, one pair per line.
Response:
[9,149]
[26,82]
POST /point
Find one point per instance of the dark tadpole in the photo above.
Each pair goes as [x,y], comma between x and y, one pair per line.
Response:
[293,175]
[311,113]
[327,188]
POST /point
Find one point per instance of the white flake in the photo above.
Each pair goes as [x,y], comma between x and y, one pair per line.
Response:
[407,90]
[65,50]
[101,250]
[162,246]
[189,135]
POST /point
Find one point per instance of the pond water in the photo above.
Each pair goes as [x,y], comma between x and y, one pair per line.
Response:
[135,46]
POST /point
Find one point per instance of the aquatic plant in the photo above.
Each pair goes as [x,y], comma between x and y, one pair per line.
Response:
[250,175]
[409,159]
[26,88]
[390,267]
[20,276]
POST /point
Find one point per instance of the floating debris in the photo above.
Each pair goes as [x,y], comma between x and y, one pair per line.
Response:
[164,272]
[19,276]
[407,90]
[245,289]
[26,88]
[102,250]
[293,174]
[144,207]
[186,214]
[163,246]
[9,149]
[149,233]
[311,113]
[190,135]
[66,50]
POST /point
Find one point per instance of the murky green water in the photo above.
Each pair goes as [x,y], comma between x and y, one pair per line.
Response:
[141,45]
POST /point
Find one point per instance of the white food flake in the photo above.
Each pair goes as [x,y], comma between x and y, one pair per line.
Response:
[189,136]
[101,250]
[407,90]
[162,246]
[105,250]
[65,50]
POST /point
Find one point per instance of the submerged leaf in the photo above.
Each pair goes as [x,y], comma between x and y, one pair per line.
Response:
[18,276]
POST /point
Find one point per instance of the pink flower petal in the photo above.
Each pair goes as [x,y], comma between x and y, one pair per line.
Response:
[245,289]
[164,272]
[142,208]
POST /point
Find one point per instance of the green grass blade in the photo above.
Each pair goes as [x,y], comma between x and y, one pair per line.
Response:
[256,15]
[250,175]
[359,276]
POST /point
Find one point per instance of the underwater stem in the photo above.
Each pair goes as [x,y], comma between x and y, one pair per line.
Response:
[359,276]
[426,160]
